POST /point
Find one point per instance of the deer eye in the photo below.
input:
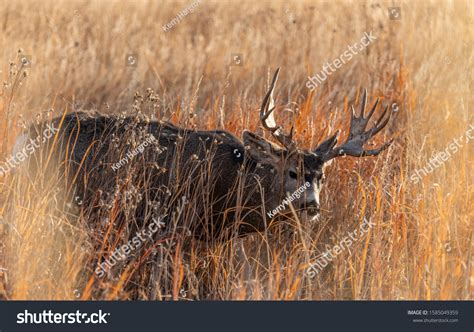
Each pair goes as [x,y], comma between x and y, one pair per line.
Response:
[293,175]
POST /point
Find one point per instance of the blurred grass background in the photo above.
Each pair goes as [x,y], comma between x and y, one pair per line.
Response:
[76,55]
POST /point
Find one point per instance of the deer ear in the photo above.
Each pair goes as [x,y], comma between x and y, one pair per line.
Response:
[327,145]
[260,149]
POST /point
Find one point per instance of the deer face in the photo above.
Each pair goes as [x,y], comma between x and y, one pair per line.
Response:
[294,169]
[289,175]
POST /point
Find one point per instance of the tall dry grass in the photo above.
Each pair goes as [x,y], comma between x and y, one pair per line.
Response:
[421,246]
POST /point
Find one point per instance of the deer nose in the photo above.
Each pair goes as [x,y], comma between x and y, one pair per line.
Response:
[311,206]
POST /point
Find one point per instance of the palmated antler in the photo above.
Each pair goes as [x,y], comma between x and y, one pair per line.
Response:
[354,145]
[268,120]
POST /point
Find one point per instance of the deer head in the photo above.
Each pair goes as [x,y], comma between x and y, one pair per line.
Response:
[292,168]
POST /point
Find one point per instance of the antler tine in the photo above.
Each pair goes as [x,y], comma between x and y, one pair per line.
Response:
[358,136]
[379,126]
[373,108]
[364,103]
[264,112]
[353,114]
[382,115]
[374,152]
[268,120]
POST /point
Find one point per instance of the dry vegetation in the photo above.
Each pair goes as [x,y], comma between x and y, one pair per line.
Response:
[420,247]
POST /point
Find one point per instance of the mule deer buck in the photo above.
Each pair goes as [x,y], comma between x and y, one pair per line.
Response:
[236,182]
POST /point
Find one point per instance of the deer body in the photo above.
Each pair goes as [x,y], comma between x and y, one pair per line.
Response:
[219,184]
[174,161]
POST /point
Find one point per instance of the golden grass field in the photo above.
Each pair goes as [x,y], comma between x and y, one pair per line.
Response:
[422,245]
